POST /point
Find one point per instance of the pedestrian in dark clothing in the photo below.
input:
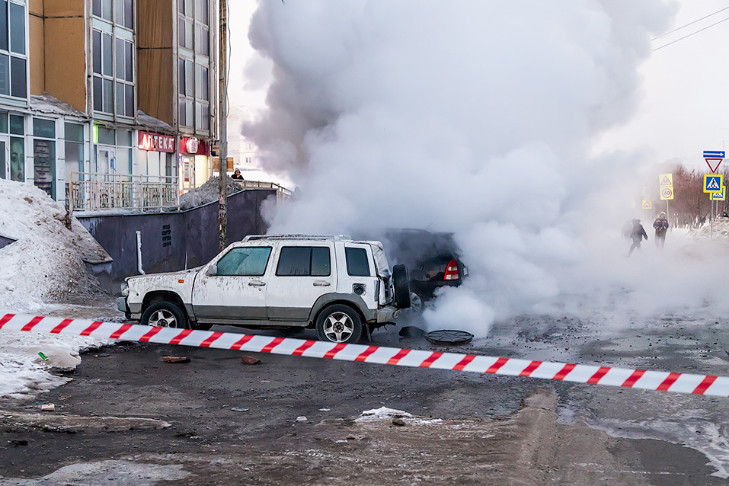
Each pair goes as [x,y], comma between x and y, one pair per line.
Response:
[661,226]
[237,175]
[637,235]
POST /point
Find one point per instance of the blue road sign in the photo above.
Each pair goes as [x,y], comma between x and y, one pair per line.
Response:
[713,154]
[713,182]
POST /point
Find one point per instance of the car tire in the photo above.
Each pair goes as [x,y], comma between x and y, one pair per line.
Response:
[401,284]
[165,314]
[339,324]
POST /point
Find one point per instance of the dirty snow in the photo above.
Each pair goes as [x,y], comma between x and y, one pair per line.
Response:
[385,413]
[43,268]
[121,472]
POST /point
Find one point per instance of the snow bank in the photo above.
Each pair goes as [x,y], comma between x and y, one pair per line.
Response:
[45,265]
[207,193]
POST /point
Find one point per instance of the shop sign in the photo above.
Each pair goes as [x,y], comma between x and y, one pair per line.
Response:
[193,146]
[156,142]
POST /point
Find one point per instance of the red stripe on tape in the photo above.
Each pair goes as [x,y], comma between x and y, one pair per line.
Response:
[60,327]
[366,353]
[33,322]
[564,371]
[464,362]
[704,385]
[242,341]
[181,336]
[269,347]
[400,355]
[530,369]
[430,360]
[94,326]
[333,352]
[595,379]
[497,366]
[633,378]
[670,380]
[300,350]
[117,334]
[149,334]
[210,340]
[5,319]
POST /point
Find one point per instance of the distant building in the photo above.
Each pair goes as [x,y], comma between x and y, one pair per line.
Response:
[108,103]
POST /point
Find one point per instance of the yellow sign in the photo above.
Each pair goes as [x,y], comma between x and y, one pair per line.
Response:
[666,193]
[718,196]
[665,180]
[646,204]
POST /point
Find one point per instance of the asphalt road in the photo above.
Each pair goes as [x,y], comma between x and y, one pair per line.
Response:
[216,420]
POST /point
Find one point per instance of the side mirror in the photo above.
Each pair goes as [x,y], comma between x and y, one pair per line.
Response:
[212,271]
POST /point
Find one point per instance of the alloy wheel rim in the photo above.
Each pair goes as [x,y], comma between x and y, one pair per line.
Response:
[338,327]
[163,318]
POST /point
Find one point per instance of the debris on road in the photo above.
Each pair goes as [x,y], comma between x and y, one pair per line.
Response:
[236,409]
[250,360]
[301,419]
[43,356]
[175,359]
[48,407]
[399,421]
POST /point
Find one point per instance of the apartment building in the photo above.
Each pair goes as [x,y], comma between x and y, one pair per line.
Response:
[108,103]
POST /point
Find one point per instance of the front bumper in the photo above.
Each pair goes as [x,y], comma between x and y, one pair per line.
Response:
[121,304]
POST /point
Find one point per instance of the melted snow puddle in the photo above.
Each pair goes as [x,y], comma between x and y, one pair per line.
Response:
[700,433]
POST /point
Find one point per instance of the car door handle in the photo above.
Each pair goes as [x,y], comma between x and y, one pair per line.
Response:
[321,283]
[256,283]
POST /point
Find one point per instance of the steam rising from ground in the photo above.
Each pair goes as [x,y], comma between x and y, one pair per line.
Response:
[474,117]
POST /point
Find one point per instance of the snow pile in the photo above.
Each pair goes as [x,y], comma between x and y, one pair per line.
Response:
[46,263]
[385,413]
[718,228]
[207,193]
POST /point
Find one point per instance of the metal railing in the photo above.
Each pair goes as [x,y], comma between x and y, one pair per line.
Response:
[93,192]
[281,192]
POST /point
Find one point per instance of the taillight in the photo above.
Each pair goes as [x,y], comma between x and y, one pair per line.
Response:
[451,272]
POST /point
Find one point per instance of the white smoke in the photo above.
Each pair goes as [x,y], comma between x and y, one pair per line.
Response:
[474,117]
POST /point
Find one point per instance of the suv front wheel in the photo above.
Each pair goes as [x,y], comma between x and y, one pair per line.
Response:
[339,324]
[165,314]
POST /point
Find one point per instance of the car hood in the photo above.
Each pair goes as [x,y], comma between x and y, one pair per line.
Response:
[167,274]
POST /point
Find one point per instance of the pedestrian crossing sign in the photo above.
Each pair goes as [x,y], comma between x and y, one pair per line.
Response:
[718,196]
[713,182]
[646,204]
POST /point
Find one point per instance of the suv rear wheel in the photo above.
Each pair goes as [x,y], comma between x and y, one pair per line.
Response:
[339,324]
[165,314]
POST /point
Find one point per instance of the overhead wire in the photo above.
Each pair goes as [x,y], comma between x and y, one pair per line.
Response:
[689,35]
[690,23]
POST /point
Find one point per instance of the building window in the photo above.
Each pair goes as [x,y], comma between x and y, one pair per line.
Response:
[194,64]
[13,58]
[113,57]
[74,148]
[44,155]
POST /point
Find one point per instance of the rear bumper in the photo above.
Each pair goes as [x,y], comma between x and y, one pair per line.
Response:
[387,313]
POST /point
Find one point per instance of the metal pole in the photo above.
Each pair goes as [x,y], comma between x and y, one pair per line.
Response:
[223,117]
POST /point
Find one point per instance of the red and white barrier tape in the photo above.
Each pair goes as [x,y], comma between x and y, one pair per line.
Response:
[577,373]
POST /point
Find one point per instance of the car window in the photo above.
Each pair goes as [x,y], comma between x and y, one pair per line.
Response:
[248,261]
[304,261]
[357,264]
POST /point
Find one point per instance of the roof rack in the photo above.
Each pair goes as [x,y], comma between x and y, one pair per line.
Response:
[297,237]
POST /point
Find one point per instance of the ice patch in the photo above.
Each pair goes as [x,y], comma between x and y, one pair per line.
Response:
[384,413]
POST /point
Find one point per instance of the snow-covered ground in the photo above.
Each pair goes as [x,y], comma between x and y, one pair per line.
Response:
[42,271]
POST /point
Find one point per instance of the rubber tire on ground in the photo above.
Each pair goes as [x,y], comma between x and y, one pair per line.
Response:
[337,309]
[401,284]
[169,307]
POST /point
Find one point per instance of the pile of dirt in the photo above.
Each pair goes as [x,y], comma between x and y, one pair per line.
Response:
[46,262]
[207,193]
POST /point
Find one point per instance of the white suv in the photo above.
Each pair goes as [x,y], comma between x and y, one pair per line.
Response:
[341,287]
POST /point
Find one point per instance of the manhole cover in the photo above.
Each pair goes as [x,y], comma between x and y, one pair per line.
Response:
[449,336]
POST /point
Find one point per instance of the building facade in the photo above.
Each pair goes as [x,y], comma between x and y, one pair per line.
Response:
[108,103]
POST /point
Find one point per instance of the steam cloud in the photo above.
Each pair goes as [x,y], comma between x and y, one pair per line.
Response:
[474,117]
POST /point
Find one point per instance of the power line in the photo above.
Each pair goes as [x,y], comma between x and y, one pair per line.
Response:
[689,35]
[690,23]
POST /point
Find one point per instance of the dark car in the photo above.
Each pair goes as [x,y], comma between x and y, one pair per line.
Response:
[433,260]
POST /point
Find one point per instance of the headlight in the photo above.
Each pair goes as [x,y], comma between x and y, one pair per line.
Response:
[124,289]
